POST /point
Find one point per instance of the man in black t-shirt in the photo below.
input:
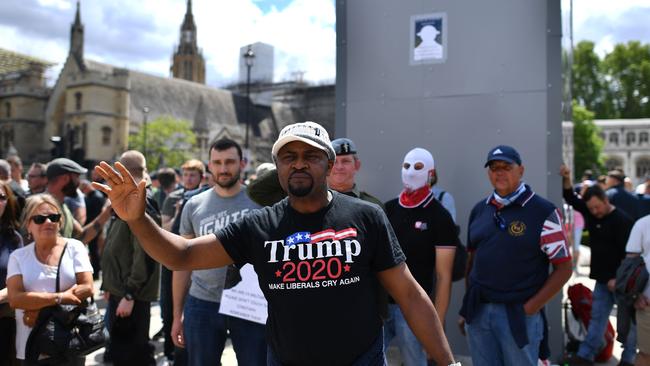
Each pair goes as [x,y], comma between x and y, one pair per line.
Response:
[428,237]
[315,254]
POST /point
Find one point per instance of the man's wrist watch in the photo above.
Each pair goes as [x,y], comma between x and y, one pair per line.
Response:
[128,296]
[58,298]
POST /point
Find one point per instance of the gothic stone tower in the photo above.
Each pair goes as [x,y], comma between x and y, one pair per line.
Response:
[188,62]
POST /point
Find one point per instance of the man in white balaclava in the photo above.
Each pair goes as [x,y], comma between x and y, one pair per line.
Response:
[428,237]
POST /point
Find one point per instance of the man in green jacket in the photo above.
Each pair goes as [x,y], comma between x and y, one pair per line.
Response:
[130,280]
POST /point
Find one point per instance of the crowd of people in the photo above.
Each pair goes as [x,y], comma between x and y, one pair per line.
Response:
[345,275]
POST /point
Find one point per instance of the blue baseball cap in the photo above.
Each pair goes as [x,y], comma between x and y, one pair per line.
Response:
[503,153]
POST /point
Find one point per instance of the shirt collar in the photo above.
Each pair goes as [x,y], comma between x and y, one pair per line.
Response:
[521,196]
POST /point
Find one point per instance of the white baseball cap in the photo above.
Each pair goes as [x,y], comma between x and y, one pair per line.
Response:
[308,132]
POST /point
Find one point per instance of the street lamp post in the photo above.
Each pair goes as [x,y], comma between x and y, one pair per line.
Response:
[145,111]
[249,59]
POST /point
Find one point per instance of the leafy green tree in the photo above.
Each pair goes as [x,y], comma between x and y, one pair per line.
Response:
[628,69]
[170,142]
[587,86]
[587,143]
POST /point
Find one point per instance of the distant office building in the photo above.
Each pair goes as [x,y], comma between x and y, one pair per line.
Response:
[262,69]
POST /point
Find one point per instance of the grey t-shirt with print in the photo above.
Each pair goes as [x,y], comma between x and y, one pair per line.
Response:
[204,214]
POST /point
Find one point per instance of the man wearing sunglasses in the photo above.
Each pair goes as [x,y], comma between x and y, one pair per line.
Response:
[513,236]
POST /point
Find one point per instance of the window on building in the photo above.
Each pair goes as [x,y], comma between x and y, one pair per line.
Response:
[613,162]
[630,138]
[77,101]
[613,138]
[106,135]
[642,166]
[643,138]
[188,70]
[8,110]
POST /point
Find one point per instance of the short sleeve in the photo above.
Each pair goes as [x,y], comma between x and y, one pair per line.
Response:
[80,257]
[635,241]
[236,240]
[14,266]
[446,231]
[388,252]
[186,227]
[471,245]
[552,239]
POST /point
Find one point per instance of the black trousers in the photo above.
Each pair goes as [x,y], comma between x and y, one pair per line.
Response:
[130,336]
[7,340]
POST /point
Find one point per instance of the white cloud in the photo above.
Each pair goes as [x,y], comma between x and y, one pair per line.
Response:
[607,22]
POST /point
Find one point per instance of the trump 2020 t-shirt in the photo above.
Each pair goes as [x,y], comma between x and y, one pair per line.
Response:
[318,274]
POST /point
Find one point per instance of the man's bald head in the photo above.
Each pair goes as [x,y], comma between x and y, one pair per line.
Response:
[135,163]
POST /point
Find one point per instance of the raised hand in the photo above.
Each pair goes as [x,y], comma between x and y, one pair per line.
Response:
[127,197]
[565,172]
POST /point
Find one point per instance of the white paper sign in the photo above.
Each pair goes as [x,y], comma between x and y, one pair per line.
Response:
[246,300]
[428,39]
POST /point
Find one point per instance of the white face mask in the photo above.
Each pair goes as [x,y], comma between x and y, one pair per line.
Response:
[413,178]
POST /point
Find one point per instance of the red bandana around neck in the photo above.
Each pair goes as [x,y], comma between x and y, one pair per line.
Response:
[414,198]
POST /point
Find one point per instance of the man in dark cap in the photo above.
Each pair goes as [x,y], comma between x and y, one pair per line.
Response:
[513,236]
[63,177]
[346,166]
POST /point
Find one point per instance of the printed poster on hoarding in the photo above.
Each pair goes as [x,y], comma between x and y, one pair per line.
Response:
[428,39]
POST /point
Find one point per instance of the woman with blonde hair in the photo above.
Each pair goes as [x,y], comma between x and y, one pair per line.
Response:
[32,270]
[10,240]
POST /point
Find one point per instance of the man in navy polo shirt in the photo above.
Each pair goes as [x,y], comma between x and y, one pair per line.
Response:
[513,235]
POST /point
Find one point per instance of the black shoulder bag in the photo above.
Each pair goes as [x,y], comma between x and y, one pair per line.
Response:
[63,332]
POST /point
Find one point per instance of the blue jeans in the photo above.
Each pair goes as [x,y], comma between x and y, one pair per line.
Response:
[395,327]
[491,342]
[374,356]
[206,331]
[601,307]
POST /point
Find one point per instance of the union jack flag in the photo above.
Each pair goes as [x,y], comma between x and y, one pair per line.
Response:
[553,240]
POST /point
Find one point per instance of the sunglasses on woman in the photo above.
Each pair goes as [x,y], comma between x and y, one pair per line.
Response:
[3,197]
[39,219]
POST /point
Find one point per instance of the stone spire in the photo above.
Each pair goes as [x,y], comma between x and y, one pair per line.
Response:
[77,36]
[188,62]
[188,32]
